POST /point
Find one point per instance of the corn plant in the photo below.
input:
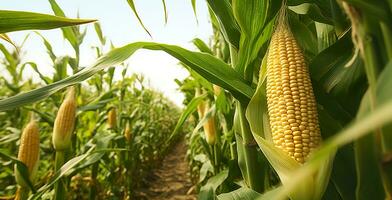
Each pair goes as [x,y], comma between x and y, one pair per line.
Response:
[347,47]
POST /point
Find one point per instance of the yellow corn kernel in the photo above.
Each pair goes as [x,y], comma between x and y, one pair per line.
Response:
[29,151]
[291,103]
[127,132]
[112,118]
[65,122]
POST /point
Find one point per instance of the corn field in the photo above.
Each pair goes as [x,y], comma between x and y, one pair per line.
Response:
[289,99]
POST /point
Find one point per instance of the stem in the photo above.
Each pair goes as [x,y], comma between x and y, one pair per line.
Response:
[93,190]
[22,193]
[59,189]
[232,151]
[212,159]
[251,167]
[387,35]
[372,61]
[216,158]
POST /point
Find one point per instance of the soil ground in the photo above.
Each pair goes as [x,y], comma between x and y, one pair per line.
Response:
[171,180]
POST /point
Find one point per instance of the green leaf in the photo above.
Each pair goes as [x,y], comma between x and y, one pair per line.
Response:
[132,5]
[206,65]
[5,37]
[46,79]
[98,30]
[63,171]
[367,149]
[207,191]
[204,169]
[19,20]
[306,39]
[48,46]
[164,10]
[357,129]
[203,47]
[248,194]
[256,111]
[374,9]
[69,33]
[194,9]
[254,18]
[384,84]
[190,108]
[228,25]
[20,168]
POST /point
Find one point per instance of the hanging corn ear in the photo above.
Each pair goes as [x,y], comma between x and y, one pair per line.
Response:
[112,118]
[290,99]
[210,129]
[28,152]
[65,122]
[209,125]
[201,106]
[127,132]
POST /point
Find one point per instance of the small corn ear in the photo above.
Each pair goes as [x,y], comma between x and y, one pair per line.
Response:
[290,99]
[112,118]
[29,151]
[209,125]
[127,132]
[210,129]
[201,106]
[65,122]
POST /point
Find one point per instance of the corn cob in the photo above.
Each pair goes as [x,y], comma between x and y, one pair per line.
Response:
[210,129]
[291,103]
[112,118]
[65,122]
[127,132]
[209,125]
[201,106]
[28,151]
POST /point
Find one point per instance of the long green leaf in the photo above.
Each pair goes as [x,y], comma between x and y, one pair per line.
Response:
[20,20]
[380,116]
[191,107]
[223,12]
[21,168]
[133,7]
[206,65]
[69,33]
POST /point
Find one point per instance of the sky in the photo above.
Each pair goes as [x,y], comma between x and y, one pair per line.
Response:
[120,26]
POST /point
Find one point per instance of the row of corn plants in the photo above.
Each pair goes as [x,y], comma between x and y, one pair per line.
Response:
[306,107]
[98,139]
[318,68]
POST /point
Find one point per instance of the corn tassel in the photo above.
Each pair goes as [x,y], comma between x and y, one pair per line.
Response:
[291,103]
[28,152]
[65,122]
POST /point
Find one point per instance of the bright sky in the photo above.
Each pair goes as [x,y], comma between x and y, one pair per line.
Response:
[121,27]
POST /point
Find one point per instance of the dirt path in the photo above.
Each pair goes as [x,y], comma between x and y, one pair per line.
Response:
[171,180]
